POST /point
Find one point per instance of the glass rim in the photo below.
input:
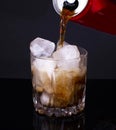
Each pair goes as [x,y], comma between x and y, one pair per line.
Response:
[85,52]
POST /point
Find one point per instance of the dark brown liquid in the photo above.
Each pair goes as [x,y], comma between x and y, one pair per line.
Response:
[65,16]
[68,11]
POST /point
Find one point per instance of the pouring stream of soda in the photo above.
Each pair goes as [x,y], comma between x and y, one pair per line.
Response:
[66,14]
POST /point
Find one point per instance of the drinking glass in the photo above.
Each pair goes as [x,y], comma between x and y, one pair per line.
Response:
[59,86]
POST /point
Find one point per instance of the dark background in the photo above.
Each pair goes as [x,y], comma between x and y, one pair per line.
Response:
[23,20]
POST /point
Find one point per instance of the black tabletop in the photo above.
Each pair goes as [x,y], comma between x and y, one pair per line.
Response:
[17,113]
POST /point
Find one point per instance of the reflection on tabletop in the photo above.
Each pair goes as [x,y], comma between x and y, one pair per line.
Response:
[76,122]
[58,123]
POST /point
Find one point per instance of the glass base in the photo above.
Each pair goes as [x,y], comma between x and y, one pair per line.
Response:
[60,112]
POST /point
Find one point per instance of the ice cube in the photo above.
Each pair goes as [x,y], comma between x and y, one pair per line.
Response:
[45,99]
[44,63]
[43,73]
[66,52]
[69,64]
[65,43]
[42,47]
[68,57]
